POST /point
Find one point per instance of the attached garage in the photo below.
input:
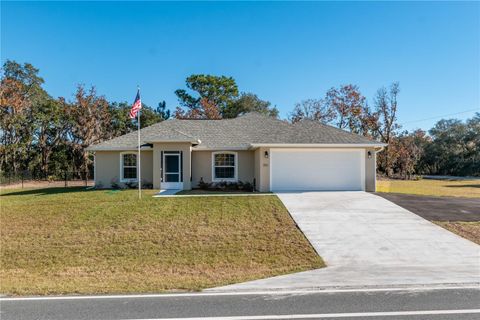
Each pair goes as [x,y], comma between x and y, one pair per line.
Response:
[317,169]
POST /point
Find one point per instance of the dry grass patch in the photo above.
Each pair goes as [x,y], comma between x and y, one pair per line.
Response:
[467,230]
[61,241]
[457,188]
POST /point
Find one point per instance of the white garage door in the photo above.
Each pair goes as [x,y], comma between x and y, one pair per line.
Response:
[317,169]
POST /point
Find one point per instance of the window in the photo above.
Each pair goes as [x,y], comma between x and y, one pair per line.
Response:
[128,168]
[224,166]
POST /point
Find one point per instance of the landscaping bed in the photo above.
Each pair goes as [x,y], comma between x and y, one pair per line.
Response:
[74,241]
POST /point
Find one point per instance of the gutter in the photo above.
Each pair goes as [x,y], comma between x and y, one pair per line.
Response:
[318,145]
[380,149]
[148,143]
[174,141]
[93,149]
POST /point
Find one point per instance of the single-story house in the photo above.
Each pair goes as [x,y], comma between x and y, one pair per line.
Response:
[273,154]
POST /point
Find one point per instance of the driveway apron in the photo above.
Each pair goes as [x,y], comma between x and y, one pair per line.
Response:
[367,240]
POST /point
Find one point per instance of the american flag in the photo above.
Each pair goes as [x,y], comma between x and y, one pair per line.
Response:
[137,105]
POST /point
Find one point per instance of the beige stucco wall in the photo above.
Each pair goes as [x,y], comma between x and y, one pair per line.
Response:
[197,164]
[263,181]
[202,166]
[107,167]
[370,170]
[256,168]
[157,171]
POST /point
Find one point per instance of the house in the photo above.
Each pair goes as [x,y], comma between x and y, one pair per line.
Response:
[273,154]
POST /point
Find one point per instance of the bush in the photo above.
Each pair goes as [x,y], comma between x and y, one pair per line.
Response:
[204,185]
[114,184]
[247,186]
[131,185]
[147,185]
[225,186]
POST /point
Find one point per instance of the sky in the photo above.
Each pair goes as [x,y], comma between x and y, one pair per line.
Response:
[284,52]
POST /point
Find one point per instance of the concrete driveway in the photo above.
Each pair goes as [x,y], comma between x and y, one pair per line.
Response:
[367,240]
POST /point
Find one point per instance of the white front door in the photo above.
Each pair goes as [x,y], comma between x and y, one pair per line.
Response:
[171,171]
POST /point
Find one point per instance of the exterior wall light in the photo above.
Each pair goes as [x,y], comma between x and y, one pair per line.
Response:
[266,155]
[369,153]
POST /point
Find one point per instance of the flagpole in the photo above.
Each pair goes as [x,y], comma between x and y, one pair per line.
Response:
[139,162]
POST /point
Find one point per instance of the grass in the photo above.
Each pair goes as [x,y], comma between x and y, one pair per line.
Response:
[467,230]
[456,188]
[73,241]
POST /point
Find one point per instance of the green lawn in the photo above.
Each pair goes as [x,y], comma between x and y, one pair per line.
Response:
[456,188]
[61,241]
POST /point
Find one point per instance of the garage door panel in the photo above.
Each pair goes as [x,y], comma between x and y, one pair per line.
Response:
[317,170]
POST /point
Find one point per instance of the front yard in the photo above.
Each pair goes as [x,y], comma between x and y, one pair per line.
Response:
[430,187]
[455,219]
[64,241]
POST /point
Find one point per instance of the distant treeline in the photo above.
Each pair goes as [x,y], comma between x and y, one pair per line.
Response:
[42,134]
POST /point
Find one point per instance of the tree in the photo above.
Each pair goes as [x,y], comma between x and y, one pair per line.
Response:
[312,109]
[50,130]
[121,123]
[162,110]
[472,146]
[206,110]
[386,104]
[249,102]
[349,105]
[407,151]
[210,91]
[90,123]
[20,91]
[455,148]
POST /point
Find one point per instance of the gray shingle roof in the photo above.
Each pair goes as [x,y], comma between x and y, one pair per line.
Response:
[239,133]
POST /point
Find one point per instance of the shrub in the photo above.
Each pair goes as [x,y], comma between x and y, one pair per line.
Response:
[147,185]
[204,185]
[247,186]
[225,186]
[114,184]
[131,185]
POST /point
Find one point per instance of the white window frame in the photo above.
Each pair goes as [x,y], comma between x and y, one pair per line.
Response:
[235,178]
[122,179]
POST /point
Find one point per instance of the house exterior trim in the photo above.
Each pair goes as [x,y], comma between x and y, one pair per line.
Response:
[316,145]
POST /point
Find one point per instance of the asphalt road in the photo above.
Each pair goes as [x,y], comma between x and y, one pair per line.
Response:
[371,304]
[437,208]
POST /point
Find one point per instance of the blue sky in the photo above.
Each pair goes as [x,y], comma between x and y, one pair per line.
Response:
[282,51]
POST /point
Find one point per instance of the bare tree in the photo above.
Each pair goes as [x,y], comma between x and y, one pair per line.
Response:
[386,104]
[313,109]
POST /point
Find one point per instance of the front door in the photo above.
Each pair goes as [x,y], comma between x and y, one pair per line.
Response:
[171,171]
